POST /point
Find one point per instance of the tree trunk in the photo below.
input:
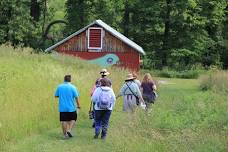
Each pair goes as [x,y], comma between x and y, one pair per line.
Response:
[35,10]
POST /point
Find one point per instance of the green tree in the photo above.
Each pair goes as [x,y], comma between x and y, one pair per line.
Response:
[168,29]
[224,43]
[19,25]
[77,14]
[5,16]
[108,11]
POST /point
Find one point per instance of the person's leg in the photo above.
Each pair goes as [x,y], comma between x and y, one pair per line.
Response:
[148,105]
[105,123]
[62,117]
[98,114]
[64,127]
[72,117]
[70,125]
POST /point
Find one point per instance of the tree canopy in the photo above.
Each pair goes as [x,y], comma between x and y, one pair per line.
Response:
[178,34]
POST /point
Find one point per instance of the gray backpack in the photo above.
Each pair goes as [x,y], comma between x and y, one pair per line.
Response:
[105,100]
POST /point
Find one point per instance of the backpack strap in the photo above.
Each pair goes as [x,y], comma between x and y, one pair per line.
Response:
[131,90]
[125,91]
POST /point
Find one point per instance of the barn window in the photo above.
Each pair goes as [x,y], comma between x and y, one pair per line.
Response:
[95,38]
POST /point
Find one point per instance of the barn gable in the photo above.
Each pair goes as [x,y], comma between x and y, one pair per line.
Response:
[100,23]
[98,43]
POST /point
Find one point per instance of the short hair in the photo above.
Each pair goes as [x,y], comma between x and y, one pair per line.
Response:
[104,82]
[67,78]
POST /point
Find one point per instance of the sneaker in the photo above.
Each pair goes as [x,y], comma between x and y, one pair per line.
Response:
[95,136]
[69,134]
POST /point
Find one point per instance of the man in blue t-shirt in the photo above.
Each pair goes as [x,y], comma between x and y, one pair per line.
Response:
[67,94]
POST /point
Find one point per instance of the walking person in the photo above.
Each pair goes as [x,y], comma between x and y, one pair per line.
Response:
[104,99]
[148,90]
[104,73]
[131,94]
[67,94]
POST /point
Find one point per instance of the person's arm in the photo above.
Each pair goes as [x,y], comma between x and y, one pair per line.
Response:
[93,89]
[76,96]
[141,89]
[154,86]
[122,90]
[57,93]
[78,103]
[94,97]
[139,94]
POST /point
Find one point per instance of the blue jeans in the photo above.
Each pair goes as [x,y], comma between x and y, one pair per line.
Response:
[102,121]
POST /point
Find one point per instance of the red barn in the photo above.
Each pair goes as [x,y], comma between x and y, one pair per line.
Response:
[101,44]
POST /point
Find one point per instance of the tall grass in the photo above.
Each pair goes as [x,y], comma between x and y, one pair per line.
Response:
[27,85]
[216,81]
[171,73]
[183,118]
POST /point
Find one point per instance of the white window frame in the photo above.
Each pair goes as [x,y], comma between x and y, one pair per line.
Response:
[95,48]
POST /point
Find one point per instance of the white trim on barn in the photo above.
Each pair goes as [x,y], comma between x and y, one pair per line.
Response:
[101,40]
[106,27]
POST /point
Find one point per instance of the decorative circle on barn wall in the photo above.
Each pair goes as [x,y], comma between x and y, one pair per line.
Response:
[110,60]
[106,60]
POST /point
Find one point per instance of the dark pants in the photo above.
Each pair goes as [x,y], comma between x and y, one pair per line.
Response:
[102,121]
[149,100]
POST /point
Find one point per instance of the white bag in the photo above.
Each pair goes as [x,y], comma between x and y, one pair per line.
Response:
[143,105]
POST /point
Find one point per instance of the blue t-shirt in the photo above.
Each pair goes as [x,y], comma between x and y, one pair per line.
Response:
[67,94]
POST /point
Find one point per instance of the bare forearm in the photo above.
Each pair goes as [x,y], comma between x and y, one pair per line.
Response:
[78,103]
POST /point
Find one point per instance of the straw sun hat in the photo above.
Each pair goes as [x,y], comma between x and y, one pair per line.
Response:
[104,72]
[130,77]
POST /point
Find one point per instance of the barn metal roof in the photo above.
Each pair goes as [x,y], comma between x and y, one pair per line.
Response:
[106,27]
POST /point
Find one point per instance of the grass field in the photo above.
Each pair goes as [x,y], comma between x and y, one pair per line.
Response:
[184,118]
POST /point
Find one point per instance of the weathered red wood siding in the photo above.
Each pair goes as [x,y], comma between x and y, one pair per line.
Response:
[77,46]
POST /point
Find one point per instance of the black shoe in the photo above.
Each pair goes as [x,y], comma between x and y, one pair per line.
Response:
[69,134]
[95,136]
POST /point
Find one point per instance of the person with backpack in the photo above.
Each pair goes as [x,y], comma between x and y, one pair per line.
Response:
[131,93]
[104,73]
[67,94]
[104,99]
[148,88]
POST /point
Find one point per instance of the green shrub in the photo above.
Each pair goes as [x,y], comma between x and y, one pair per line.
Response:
[185,74]
[215,81]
